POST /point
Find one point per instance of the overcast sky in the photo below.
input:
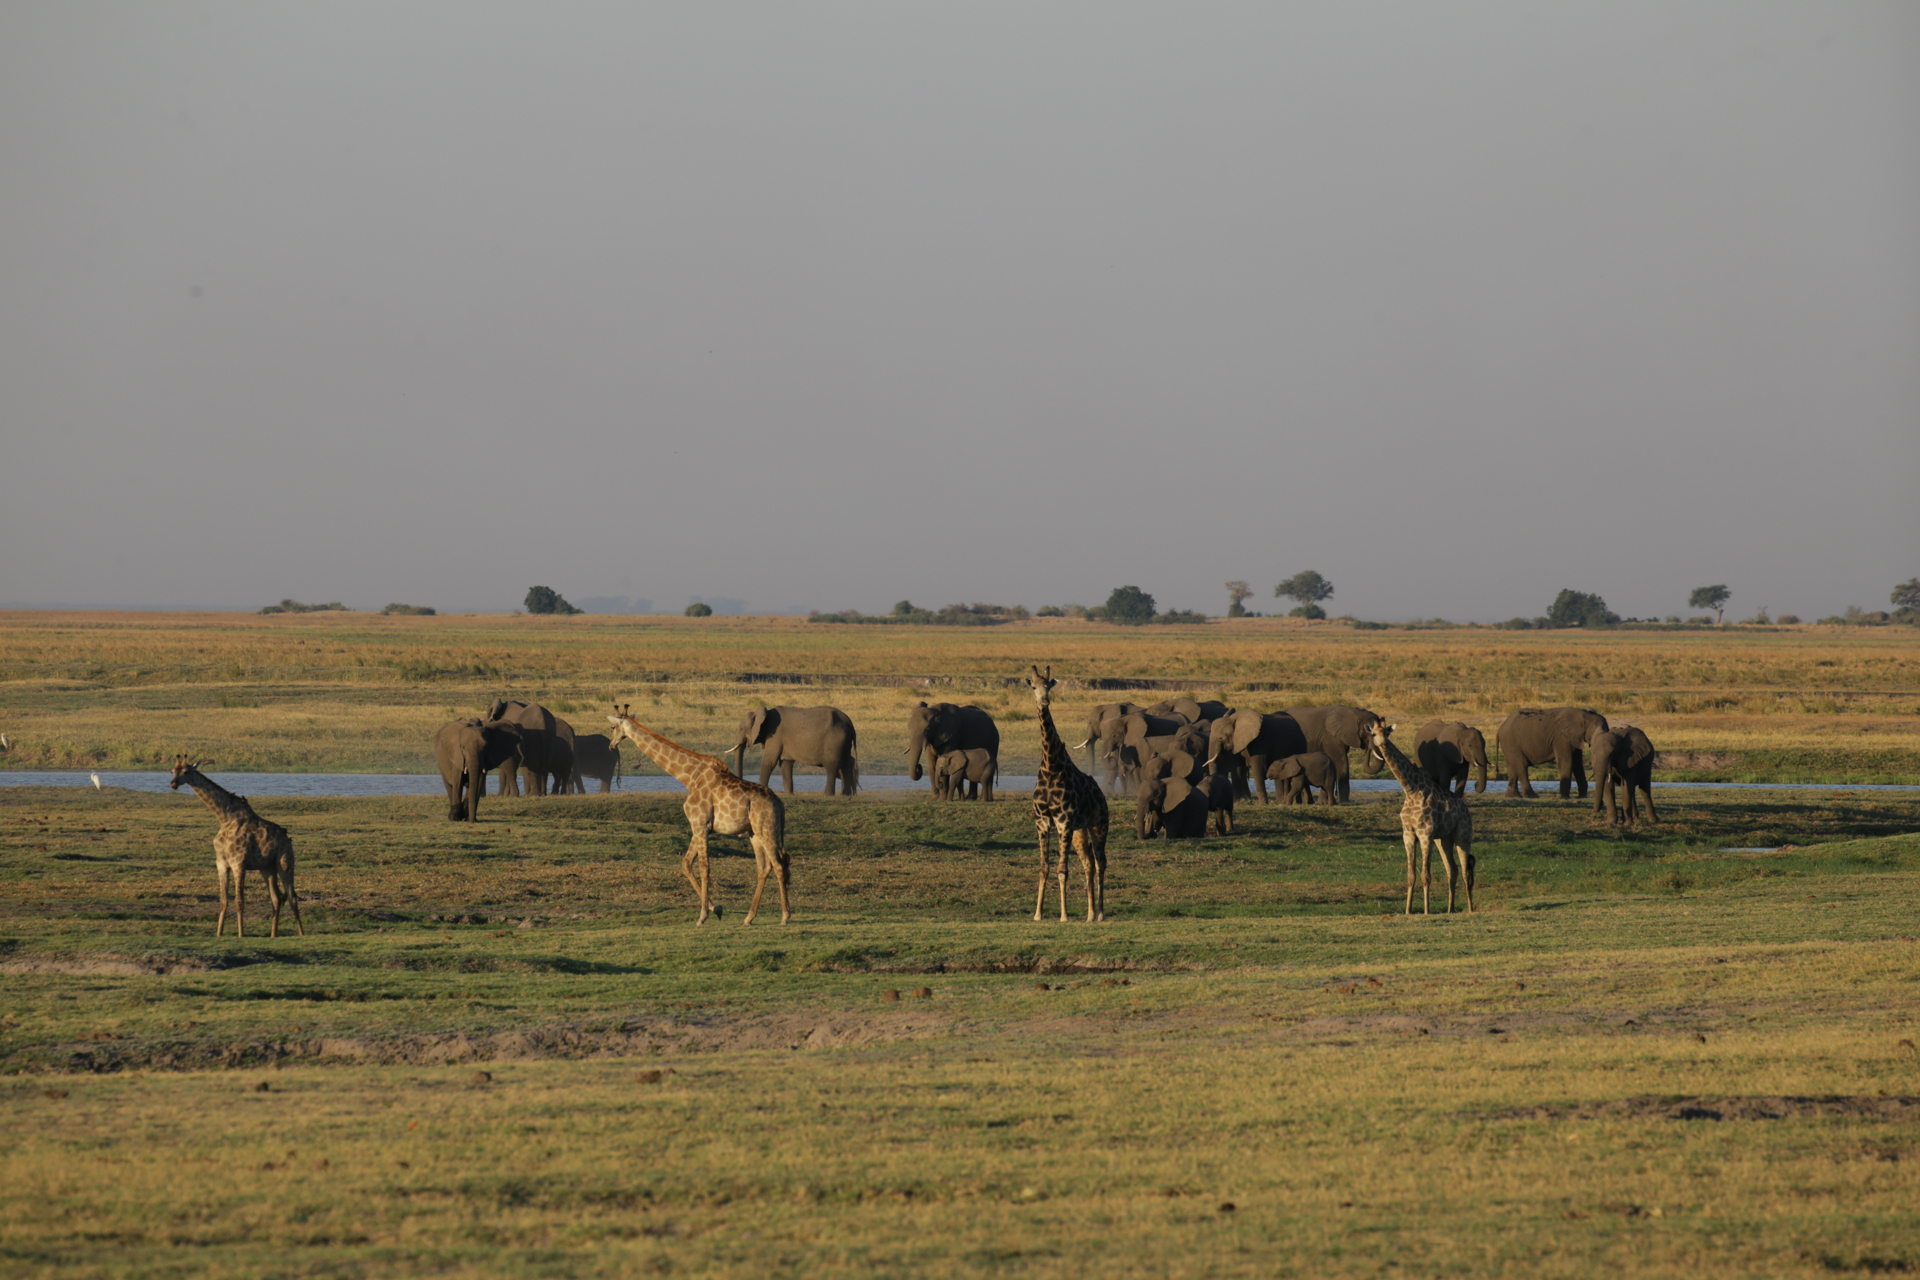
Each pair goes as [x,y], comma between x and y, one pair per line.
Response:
[822,305]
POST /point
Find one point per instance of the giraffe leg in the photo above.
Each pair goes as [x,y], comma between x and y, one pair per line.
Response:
[1407,837]
[1464,847]
[1426,870]
[240,901]
[220,928]
[1083,845]
[1446,862]
[1040,897]
[293,900]
[697,854]
[273,899]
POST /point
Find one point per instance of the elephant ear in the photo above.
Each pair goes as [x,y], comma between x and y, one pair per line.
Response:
[756,728]
[1638,749]
[1183,765]
[1178,789]
[1246,728]
[1288,768]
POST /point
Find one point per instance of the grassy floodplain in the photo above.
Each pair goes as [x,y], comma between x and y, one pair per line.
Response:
[335,692]
[503,1049]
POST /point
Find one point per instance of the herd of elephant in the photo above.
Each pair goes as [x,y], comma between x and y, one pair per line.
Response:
[1186,761]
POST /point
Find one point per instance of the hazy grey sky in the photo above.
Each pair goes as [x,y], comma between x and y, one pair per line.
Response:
[827,304]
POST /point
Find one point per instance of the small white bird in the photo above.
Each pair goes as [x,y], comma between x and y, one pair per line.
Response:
[96,782]
[4,744]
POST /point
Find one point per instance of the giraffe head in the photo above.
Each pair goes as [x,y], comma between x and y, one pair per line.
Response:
[1375,734]
[621,714]
[1041,685]
[182,767]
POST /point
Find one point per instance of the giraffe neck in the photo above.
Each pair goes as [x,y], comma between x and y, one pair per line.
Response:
[223,802]
[1054,758]
[1408,774]
[682,764]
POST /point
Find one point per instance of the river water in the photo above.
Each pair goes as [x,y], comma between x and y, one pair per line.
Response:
[429,784]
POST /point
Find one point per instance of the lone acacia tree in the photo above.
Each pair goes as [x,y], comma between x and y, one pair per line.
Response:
[1714,598]
[1906,596]
[547,600]
[1309,588]
[1237,593]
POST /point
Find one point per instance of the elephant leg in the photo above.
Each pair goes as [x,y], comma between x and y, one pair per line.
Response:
[1257,771]
[786,775]
[1563,765]
[1580,772]
[1342,778]
[1647,788]
[833,776]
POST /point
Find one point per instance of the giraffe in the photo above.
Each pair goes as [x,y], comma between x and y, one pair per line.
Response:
[1071,805]
[1429,816]
[716,802]
[245,842]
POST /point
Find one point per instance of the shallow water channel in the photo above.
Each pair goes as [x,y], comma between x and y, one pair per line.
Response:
[429,784]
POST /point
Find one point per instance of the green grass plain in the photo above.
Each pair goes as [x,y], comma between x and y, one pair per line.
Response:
[1258,1026]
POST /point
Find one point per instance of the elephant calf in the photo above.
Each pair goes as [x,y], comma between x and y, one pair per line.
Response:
[1622,757]
[964,775]
[1220,792]
[1295,778]
[1172,806]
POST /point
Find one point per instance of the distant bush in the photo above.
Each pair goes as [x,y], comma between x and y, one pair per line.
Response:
[1790,619]
[1306,611]
[417,610]
[1179,617]
[1580,609]
[1518,624]
[1363,625]
[547,600]
[1833,620]
[1130,606]
[906,613]
[1699,620]
[699,609]
[294,606]
[1049,611]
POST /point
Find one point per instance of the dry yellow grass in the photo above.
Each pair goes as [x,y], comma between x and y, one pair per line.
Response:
[364,692]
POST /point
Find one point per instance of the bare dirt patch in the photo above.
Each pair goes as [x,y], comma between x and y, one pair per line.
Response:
[1738,1108]
[110,966]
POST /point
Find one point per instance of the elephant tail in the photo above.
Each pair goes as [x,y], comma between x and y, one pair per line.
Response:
[850,777]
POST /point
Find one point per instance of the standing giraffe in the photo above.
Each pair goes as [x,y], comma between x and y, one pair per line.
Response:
[1071,805]
[716,801]
[245,842]
[1429,816]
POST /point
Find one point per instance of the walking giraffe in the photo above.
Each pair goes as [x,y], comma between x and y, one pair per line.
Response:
[716,801]
[1071,805]
[245,842]
[1429,816]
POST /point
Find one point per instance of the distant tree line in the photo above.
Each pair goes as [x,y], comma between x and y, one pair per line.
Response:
[294,606]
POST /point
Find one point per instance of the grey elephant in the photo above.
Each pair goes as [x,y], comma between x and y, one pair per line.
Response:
[1531,736]
[933,731]
[1221,793]
[542,738]
[965,775]
[1129,738]
[1193,712]
[1295,778]
[1445,749]
[1622,759]
[1254,739]
[1102,726]
[594,756]
[1336,730]
[820,736]
[466,751]
[1172,806]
